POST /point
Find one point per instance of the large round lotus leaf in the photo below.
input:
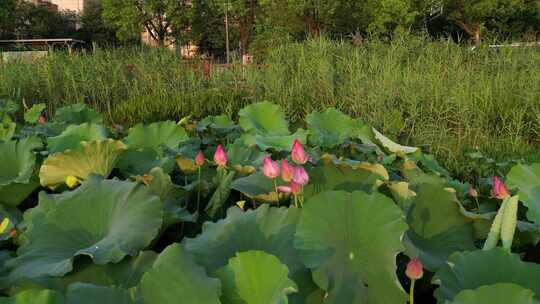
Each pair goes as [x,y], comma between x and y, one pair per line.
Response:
[17,160]
[74,135]
[125,274]
[103,219]
[330,128]
[175,278]
[527,180]
[77,114]
[17,176]
[350,241]
[267,229]
[84,293]
[244,159]
[96,157]
[470,270]
[437,227]
[270,141]
[264,118]
[503,293]
[255,277]
[329,177]
[35,297]
[154,135]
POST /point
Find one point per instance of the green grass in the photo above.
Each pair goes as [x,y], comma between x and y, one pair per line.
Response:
[438,95]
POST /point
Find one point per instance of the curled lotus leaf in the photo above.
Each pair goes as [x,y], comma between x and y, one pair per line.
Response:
[156,135]
[77,114]
[17,170]
[96,157]
[329,128]
[264,118]
[391,146]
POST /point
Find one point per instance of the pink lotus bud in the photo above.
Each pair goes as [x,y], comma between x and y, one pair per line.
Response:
[199,159]
[499,189]
[284,189]
[295,188]
[287,171]
[270,168]
[473,192]
[300,176]
[220,157]
[298,154]
[414,269]
[41,119]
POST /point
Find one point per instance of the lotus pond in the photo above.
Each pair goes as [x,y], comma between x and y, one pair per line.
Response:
[252,212]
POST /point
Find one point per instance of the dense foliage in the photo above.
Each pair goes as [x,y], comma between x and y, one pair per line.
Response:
[214,211]
[450,100]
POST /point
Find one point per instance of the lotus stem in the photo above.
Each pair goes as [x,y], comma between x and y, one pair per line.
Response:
[275,189]
[411,292]
[199,189]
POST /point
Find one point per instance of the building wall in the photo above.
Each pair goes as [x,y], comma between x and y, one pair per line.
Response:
[72,5]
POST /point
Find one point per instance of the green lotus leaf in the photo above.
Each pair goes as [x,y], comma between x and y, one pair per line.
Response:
[255,277]
[244,159]
[437,227]
[7,129]
[125,274]
[264,118]
[102,219]
[84,293]
[74,135]
[276,142]
[7,108]
[329,128]
[175,277]
[402,194]
[527,180]
[415,176]
[221,194]
[267,229]
[35,297]
[329,177]
[350,241]
[503,293]
[220,122]
[77,114]
[258,187]
[140,161]
[17,166]
[172,196]
[32,115]
[470,270]
[154,135]
[392,146]
[96,157]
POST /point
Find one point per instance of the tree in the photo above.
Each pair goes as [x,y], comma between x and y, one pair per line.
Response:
[160,18]
[7,25]
[93,27]
[471,16]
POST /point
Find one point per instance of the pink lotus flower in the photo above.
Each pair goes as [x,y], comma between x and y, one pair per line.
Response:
[220,157]
[295,188]
[287,171]
[414,269]
[270,168]
[499,189]
[300,176]
[298,154]
[41,119]
[199,159]
[284,189]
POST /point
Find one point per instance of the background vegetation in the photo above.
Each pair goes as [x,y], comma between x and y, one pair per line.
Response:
[437,94]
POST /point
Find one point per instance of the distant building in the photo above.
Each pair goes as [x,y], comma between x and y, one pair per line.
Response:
[77,6]
[46,3]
